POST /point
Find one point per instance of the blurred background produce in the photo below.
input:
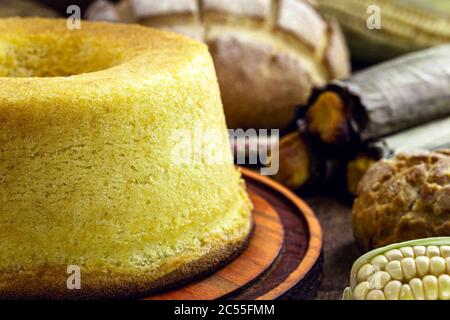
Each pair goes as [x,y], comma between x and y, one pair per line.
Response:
[404,198]
[25,8]
[380,100]
[432,135]
[299,165]
[406,26]
[397,105]
[345,119]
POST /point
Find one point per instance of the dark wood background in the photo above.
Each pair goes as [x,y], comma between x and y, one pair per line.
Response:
[61,5]
[340,250]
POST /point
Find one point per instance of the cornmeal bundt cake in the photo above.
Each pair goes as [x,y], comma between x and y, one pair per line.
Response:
[114,158]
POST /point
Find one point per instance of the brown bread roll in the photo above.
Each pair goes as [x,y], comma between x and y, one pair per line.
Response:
[404,198]
[268,54]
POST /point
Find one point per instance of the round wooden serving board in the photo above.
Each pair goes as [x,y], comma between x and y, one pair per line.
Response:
[283,258]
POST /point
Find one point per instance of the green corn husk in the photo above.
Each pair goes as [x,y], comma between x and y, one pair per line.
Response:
[367,259]
[431,136]
[406,25]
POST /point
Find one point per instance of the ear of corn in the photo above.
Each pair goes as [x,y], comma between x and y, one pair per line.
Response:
[294,156]
[431,136]
[405,26]
[412,270]
[356,169]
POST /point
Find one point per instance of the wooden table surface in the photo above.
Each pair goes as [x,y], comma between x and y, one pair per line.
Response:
[339,250]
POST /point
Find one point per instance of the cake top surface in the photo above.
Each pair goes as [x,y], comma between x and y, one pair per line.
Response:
[47,52]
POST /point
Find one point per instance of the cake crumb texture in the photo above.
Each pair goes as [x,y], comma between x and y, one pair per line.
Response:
[88,175]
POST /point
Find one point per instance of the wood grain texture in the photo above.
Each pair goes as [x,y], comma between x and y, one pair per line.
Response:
[297,272]
[339,250]
[283,259]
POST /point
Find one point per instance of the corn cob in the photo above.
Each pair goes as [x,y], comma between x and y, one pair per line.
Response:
[412,270]
[357,168]
[381,100]
[430,136]
[405,26]
[300,167]
[294,161]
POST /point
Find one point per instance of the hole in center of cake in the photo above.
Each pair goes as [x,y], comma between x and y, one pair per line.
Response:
[53,56]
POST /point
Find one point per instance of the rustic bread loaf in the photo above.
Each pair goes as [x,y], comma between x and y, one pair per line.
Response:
[403,199]
[268,53]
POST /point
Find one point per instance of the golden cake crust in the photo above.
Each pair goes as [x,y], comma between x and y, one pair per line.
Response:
[50,283]
[93,171]
[403,199]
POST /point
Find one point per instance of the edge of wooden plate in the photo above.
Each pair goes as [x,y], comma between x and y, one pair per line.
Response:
[313,253]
